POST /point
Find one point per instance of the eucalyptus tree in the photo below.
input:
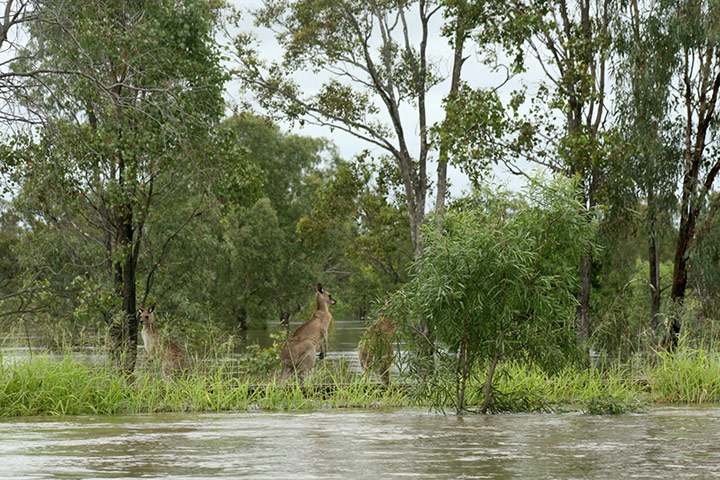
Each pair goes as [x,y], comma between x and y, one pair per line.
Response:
[373,71]
[9,266]
[695,31]
[704,278]
[16,16]
[681,39]
[243,261]
[644,72]
[134,127]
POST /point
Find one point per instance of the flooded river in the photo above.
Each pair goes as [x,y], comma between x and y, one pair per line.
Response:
[669,443]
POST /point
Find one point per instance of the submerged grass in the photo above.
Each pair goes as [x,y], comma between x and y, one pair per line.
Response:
[47,385]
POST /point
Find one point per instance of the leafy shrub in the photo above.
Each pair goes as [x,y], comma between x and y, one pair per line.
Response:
[496,281]
[261,362]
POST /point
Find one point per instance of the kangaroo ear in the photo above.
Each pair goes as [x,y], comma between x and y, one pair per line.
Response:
[319,289]
[152,309]
[141,309]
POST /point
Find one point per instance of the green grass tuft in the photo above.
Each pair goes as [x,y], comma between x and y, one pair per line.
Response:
[686,375]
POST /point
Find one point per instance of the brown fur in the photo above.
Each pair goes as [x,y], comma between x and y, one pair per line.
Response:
[298,353]
[156,346]
[376,347]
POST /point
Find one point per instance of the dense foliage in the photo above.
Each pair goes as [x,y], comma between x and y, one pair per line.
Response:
[497,281]
[129,179]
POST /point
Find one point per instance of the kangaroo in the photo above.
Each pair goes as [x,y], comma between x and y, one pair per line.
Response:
[298,353]
[376,346]
[172,358]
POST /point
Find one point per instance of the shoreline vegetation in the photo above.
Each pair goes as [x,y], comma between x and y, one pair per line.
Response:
[51,384]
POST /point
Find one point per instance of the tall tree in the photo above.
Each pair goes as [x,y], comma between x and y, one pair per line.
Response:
[16,16]
[644,105]
[244,262]
[137,124]
[693,25]
[458,28]
[374,71]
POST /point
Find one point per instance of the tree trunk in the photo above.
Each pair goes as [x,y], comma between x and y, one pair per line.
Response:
[284,319]
[653,263]
[582,312]
[458,60]
[125,334]
[462,370]
[441,186]
[131,319]
[417,218]
[680,273]
[242,319]
[488,384]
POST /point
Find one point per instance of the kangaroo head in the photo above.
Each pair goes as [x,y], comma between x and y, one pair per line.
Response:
[325,295]
[146,315]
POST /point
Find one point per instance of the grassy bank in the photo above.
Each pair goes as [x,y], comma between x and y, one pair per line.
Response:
[687,376]
[44,385]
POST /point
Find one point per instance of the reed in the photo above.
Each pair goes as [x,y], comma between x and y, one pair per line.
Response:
[46,385]
[687,375]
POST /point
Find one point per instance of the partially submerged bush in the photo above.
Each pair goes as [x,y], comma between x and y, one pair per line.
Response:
[518,401]
[609,404]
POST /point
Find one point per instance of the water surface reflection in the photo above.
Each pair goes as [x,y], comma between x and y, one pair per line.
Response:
[668,443]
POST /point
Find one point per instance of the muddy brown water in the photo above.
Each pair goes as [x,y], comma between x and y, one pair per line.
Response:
[667,443]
